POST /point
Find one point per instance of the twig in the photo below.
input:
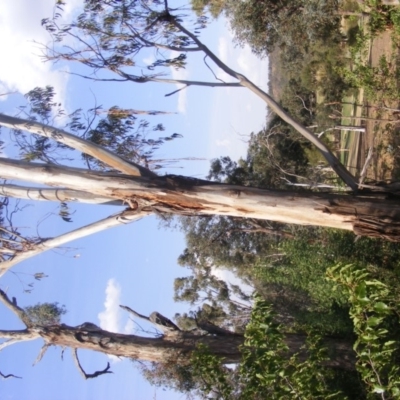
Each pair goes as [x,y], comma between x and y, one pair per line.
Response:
[175,91]
[9,376]
[364,169]
[82,371]
[41,353]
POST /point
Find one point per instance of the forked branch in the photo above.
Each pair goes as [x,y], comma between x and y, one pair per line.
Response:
[95,374]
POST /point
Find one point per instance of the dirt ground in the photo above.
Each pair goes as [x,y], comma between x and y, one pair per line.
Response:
[382,126]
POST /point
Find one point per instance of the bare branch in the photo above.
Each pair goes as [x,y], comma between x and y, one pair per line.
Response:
[9,376]
[130,111]
[336,165]
[136,314]
[7,93]
[367,162]
[215,76]
[153,78]
[8,342]
[110,222]
[175,91]
[162,323]
[148,43]
[41,353]
[20,335]
[77,143]
[12,305]
[82,371]
[56,194]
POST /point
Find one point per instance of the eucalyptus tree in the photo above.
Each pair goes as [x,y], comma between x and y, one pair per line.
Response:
[115,36]
[171,344]
[124,178]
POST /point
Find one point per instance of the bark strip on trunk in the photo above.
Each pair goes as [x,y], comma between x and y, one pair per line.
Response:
[374,214]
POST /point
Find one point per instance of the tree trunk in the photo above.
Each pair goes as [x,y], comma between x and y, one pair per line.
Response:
[178,344]
[374,215]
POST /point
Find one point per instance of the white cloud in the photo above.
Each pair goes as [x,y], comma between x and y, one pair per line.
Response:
[110,317]
[223,143]
[149,60]
[21,68]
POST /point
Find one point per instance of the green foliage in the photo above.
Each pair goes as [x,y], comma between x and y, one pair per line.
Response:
[120,131]
[45,313]
[299,274]
[210,373]
[382,16]
[380,82]
[288,24]
[215,7]
[126,135]
[374,311]
[266,372]
[169,374]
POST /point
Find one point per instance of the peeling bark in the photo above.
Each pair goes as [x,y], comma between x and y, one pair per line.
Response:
[178,345]
[373,214]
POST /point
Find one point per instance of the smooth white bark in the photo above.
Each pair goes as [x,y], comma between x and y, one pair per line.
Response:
[206,199]
[57,194]
[74,142]
[110,222]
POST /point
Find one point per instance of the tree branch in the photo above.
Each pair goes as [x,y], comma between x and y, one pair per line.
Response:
[77,143]
[336,165]
[82,371]
[12,305]
[162,323]
[153,78]
[110,222]
[9,376]
[56,194]
[20,335]
[41,353]
[148,43]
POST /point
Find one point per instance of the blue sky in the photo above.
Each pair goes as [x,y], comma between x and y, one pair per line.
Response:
[134,265]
